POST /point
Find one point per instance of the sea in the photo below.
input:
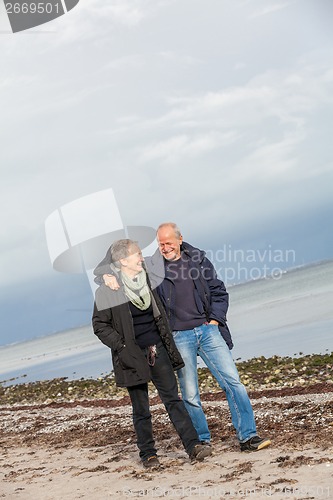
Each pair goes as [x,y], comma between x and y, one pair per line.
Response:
[291,315]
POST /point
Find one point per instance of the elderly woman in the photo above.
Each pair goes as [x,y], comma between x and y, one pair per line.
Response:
[132,323]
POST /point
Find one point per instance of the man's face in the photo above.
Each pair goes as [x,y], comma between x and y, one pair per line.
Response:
[169,243]
[132,264]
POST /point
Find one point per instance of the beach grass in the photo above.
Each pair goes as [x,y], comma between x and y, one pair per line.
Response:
[258,373]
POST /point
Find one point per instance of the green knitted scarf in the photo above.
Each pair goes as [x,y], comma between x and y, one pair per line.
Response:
[137,290]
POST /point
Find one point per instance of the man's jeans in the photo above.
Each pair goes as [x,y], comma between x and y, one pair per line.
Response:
[165,381]
[207,342]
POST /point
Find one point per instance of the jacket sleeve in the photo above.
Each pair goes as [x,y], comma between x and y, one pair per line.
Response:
[219,297]
[103,325]
[104,267]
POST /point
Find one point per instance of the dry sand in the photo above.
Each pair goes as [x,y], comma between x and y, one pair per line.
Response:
[86,449]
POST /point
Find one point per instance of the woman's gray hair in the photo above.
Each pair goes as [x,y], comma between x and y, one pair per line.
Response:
[120,249]
[173,225]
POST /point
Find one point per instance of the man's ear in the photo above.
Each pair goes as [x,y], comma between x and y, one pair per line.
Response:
[181,239]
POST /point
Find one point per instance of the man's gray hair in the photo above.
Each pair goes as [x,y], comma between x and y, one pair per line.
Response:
[173,225]
[121,249]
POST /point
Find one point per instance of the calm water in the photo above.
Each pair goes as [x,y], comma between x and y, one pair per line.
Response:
[288,316]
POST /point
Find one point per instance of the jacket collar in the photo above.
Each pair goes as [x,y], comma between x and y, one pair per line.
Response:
[194,253]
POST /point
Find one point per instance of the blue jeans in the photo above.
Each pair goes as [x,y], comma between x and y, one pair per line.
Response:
[207,342]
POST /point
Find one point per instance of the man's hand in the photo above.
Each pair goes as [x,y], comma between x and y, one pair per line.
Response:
[111,281]
[213,322]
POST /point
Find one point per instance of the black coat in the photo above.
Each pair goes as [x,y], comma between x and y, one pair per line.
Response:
[113,325]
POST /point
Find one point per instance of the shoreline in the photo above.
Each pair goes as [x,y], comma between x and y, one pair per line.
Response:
[257,374]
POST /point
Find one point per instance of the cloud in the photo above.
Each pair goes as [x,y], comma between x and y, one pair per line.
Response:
[278,103]
[176,148]
[269,9]
[126,12]
[135,61]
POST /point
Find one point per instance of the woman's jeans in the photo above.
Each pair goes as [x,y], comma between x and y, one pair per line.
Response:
[165,381]
[207,342]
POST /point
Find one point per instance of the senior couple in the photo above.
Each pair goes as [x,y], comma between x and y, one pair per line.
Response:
[157,316]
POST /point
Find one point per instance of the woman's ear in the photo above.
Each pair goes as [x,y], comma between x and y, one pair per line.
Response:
[123,262]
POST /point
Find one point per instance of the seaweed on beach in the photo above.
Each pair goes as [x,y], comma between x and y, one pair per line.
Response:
[257,374]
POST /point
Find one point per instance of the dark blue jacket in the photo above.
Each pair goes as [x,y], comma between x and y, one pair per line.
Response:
[211,297]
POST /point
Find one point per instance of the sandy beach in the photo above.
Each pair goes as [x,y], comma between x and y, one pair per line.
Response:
[86,449]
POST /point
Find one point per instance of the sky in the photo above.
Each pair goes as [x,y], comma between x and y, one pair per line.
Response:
[215,114]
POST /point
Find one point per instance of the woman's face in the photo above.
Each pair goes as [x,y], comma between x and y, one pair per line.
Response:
[132,264]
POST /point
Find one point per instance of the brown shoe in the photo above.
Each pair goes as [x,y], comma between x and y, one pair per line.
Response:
[151,462]
[200,451]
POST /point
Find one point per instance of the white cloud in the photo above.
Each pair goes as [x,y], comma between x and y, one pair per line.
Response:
[135,61]
[175,149]
[179,58]
[126,12]
[269,9]
[218,119]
